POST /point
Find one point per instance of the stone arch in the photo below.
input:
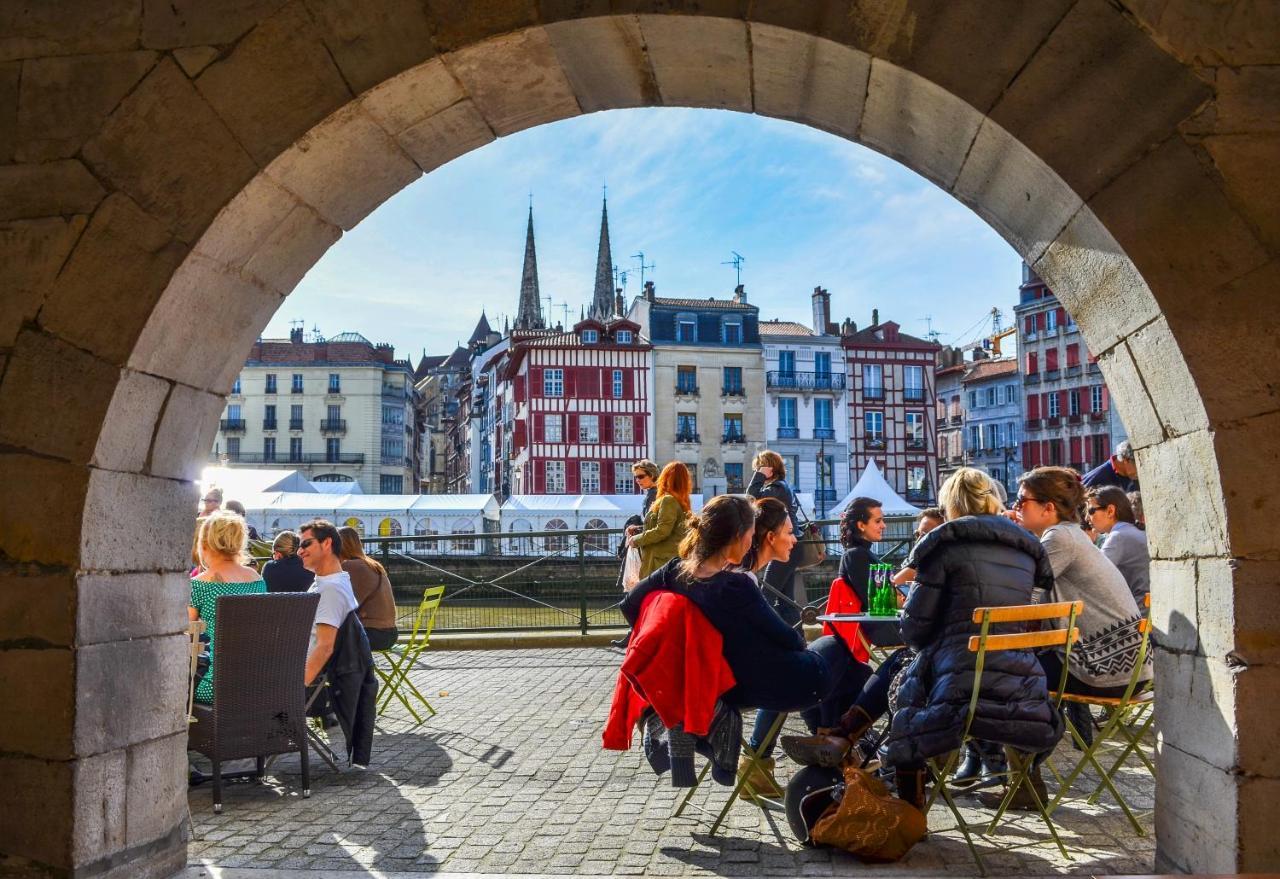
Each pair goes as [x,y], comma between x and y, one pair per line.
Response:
[169,175]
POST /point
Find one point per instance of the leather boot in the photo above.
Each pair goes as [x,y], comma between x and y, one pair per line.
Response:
[760,779]
[910,784]
[829,750]
[970,770]
[1022,800]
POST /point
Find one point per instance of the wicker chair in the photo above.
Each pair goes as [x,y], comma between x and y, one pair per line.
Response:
[258,693]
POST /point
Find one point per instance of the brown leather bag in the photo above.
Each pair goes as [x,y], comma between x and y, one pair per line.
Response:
[869,822]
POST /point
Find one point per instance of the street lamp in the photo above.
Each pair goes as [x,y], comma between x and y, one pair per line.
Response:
[823,475]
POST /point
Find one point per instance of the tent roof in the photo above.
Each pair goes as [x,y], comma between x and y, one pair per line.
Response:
[237,482]
[345,505]
[626,504]
[872,484]
[337,487]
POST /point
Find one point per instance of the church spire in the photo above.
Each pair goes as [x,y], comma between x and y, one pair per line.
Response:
[529,314]
[602,304]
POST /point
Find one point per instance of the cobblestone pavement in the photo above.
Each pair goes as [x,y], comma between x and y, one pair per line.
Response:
[509,777]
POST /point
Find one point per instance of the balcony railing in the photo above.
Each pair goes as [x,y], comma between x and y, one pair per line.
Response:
[268,424]
[1031,378]
[1094,369]
[1033,424]
[1072,369]
[872,392]
[270,388]
[1053,421]
[333,425]
[232,425]
[295,424]
[874,442]
[1052,374]
[824,495]
[304,458]
[685,390]
[957,419]
[733,391]
[1097,416]
[1073,419]
[788,433]
[388,391]
[915,444]
[296,389]
[687,437]
[805,381]
[913,395]
[733,437]
[824,433]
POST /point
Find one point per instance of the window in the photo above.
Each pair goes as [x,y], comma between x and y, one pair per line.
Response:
[787,362]
[233,448]
[873,425]
[1073,403]
[827,473]
[822,419]
[733,478]
[913,383]
[269,417]
[993,436]
[686,428]
[623,429]
[733,428]
[973,399]
[332,449]
[553,383]
[915,430]
[335,383]
[1095,398]
[991,396]
[295,417]
[590,337]
[617,383]
[624,337]
[393,416]
[234,413]
[235,386]
[271,383]
[873,381]
[733,332]
[787,428]
[1054,406]
[295,448]
[623,481]
[1073,355]
[1051,320]
[975,437]
[588,428]
[686,380]
[268,448]
[822,364]
[1011,434]
[1033,363]
[333,413]
[392,450]
[686,328]
[297,383]
[1010,393]
[553,428]
[915,478]
[733,381]
[555,477]
[389,484]
[589,474]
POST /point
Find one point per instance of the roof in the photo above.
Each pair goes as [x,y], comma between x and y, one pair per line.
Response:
[709,302]
[784,328]
[985,369]
[868,337]
[426,364]
[460,357]
[236,482]
[482,331]
[349,337]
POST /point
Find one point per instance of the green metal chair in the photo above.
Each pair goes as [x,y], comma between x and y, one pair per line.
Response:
[753,755]
[403,656]
[1019,765]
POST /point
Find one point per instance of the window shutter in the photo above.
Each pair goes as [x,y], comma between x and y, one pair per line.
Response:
[1041,321]
[1029,324]
[1033,406]
[606,431]
[1075,451]
[1062,317]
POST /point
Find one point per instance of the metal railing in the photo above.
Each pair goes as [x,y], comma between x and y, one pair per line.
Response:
[788,433]
[231,425]
[686,437]
[286,458]
[805,381]
[333,425]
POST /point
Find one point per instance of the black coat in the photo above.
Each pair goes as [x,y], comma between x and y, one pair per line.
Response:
[975,561]
[353,689]
[287,575]
[778,489]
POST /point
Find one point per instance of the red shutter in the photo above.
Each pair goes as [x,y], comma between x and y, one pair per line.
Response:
[1073,355]
[1051,359]
[606,431]
[1062,317]
[540,428]
[1062,404]
[1040,321]
[1033,363]
[1076,457]
[1029,324]
[1033,406]
[570,429]
[1045,454]
[1106,399]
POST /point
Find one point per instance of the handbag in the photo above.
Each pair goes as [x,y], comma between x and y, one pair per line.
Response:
[868,821]
[811,547]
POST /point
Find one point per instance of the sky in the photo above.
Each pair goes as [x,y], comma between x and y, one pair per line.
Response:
[687,188]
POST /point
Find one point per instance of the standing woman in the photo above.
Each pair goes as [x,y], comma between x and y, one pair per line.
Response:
[770,480]
[221,545]
[375,602]
[665,524]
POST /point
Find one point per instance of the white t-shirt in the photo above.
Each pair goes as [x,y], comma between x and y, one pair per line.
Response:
[336,601]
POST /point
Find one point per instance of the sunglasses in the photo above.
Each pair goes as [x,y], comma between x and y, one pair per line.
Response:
[1022,500]
[304,544]
[1093,510]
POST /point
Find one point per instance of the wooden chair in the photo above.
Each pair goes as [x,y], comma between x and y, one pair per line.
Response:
[401,659]
[1019,772]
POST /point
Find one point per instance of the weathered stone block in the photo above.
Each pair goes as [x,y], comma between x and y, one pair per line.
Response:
[194,59]
[39,690]
[31,253]
[1257,817]
[1014,191]
[65,99]
[167,24]
[37,605]
[238,230]
[1249,466]
[1237,601]
[47,190]
[168,149]
[1168,382]
[1203,722]
[117,607]
[40,508]
[808,79]
[1129,396]
[454,26]
[36,810]
[129,692]
[443,137]
[185,434]
[1183,498]
[699,62]
[1096,73]
[1247,163]
[1246,99]
[371,42]
[155,788]
[292,249]
[74,27]
[405,100]
[1196,811]
[54,397]
[1096,282]
[205,307]
[276,85]
[1174,617]
[98,813]
[351,147]
[125,438]
[1212,33]
[917,123]
[605,61]
[515,81]
[108,287]
[10,74]
[118,505]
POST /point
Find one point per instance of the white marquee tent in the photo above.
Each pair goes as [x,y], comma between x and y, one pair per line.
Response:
[872,484]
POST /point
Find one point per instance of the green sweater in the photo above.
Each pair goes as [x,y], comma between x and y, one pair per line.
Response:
[664,528]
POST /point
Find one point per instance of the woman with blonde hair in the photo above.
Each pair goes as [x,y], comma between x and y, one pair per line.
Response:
[665,525]
[221,545]
[376,603]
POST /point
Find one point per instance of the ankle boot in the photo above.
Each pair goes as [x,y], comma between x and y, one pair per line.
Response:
[830,750]
[910,784]
[760,780]
[1022,801]
[970,770]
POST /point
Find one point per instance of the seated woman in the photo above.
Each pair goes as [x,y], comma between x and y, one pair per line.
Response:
[977,558]
[773,667]
[285,572]
[376,604]
[221,545]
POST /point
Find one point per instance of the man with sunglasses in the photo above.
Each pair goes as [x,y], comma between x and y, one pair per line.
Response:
[319,551]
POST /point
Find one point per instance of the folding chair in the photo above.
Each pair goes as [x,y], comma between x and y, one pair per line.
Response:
[1128,708]
[1019,772]
[754,756]
[402,658]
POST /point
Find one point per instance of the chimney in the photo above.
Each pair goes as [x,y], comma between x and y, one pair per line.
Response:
[821,311]
[875,317]
[295,335]
[649,292]
[740,294]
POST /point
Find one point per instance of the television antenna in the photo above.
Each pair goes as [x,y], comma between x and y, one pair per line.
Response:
[643,267]
[930,333]
[736,262]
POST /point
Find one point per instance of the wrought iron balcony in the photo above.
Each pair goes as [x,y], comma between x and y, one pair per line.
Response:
[915,444]
[874,442]
[1052,374]
[1097,416]
[1033,423]
[302,458]
[1094,369]
[824,433]
[733,437]
[733,391]
[296,389]
[268,424]
[1031,378]
[872,392]
[957,419]
[295,424]
[1072,369]
[1053,421]
[232,425]
[270,388]
[686,390]
[333,425]
[687,437]
[913,395]
[788,433]
[805,381]
[1074,419]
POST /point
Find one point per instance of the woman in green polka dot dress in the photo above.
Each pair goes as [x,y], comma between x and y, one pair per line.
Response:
[223,539]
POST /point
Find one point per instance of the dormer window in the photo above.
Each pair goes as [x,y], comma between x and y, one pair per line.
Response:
[624,337]
[732,332]
[590,337]
[686,328]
